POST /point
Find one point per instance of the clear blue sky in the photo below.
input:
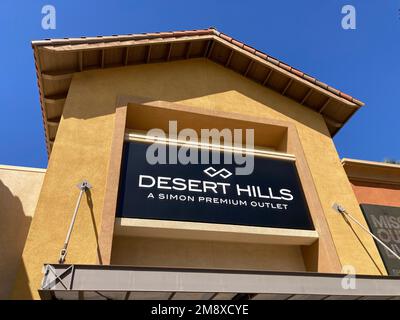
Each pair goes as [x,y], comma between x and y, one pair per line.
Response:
[305,34]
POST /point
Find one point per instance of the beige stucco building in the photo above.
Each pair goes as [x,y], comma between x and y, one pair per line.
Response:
[98,94]
[19,192]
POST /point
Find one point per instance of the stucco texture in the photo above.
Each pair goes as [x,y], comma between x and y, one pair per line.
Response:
[83,144]
[377,193]
[205,254]
[19,192]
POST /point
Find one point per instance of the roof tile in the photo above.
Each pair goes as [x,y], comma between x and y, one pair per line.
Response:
[237,43]
[273,60]
[297,72]
[146,37]
[249,49]
[225,37]
[346,96]
[285,66]
[261,55]
[309,78]
[333,90]
[321,84]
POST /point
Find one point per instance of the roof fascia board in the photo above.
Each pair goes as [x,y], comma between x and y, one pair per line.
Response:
[143,42]
[372,172]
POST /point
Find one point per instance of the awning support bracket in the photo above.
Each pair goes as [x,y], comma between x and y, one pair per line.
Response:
[83,187]
[345,214]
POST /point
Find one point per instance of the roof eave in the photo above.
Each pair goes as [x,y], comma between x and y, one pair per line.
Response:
[213,38]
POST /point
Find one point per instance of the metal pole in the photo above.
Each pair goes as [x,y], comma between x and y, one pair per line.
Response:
[83,187]
[342,210]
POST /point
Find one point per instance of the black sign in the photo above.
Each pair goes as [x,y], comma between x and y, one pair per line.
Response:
[384,222]
[269,197]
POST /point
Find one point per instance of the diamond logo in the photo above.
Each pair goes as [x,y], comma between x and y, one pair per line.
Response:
[212,172]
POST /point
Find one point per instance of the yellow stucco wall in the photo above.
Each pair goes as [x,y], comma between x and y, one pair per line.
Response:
[151,252]
[19,192]
[82,150]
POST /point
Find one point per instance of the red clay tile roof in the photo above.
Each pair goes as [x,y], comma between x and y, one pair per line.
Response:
[336,114]
[209,31]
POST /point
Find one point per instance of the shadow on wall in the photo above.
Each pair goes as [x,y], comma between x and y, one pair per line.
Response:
[92,216]
[14,227]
